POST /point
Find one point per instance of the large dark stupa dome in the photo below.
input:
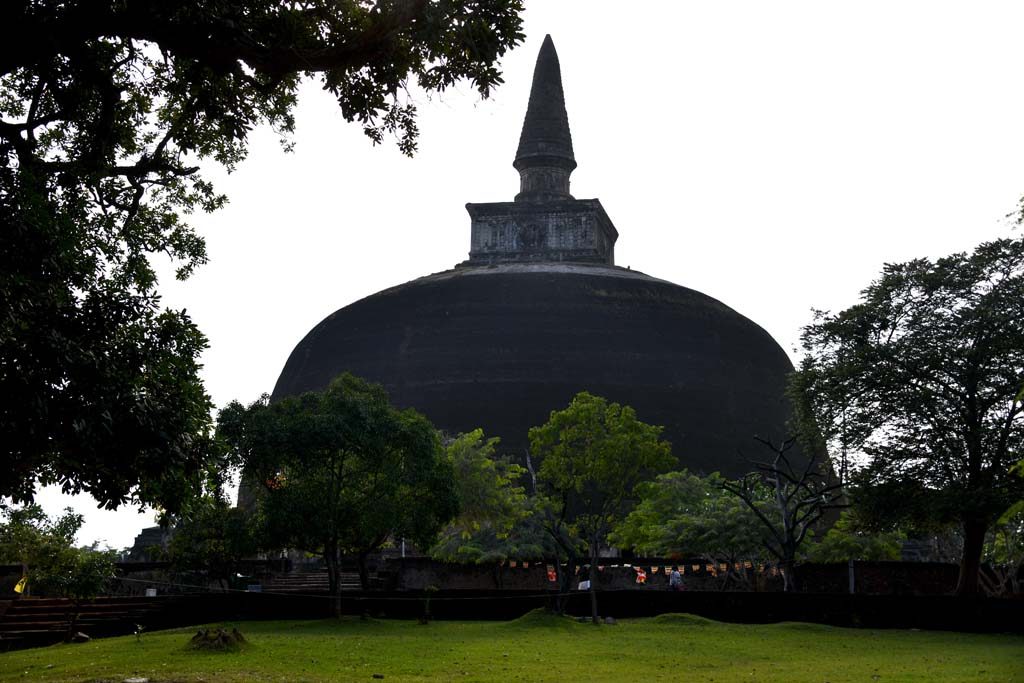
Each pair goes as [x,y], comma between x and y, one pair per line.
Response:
[539,312]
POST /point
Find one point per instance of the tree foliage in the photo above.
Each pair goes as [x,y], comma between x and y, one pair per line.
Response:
[686,515]
[848,540]
[798,496]
[46,550]
[495,515]
[342,471]
[486,483]
[592,456]
[107,110]
[212,536]
[1004,553]
[928,370]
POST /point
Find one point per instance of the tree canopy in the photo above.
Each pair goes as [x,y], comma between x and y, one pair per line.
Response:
[211,535]
[50,560]
[924,379]
[848,540]
[494,521]
[107,111]
[592,456]
[342,471]
[683,514]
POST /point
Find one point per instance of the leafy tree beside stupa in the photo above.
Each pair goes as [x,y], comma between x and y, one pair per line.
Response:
[107,110]
[924,379]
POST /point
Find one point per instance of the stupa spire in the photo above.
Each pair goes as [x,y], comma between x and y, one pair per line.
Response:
[545,157]
[545,223]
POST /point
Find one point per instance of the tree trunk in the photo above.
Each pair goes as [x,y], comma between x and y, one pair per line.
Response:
[364,573]
[332,573]
[593,585]
[788,569]
[333,578]
[970,561]
[76,607]
[565,580]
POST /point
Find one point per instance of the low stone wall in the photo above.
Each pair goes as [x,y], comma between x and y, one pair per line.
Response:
[419,573]
[868,611]
[135,577]
[905,578]
[870,578]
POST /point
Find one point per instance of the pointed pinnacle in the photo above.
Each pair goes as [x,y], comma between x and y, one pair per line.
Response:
[546,127]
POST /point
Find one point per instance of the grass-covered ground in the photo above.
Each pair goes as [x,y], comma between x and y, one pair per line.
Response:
[537,647]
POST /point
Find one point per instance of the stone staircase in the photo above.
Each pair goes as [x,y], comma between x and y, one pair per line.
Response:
[30,622]
[309,582]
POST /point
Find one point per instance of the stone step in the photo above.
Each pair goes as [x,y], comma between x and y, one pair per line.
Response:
[319,586]
[22,619]
[83,609]
[43,602]
[110,616]
[8,626]
[304,577]
[310,581]
[32,622]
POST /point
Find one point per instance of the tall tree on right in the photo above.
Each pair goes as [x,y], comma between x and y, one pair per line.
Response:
[927,372]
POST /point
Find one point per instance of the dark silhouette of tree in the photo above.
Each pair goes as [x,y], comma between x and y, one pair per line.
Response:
[212,536]
[799,493]
[929,370]
[106,110]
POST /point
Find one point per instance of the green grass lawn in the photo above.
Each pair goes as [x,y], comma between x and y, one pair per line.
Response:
[537,647]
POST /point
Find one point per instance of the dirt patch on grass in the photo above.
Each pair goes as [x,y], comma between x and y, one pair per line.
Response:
[217,640]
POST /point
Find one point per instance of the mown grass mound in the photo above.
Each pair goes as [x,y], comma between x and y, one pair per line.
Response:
[542,618]
[682,619]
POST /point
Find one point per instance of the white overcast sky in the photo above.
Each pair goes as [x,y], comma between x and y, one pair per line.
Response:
[773,155]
